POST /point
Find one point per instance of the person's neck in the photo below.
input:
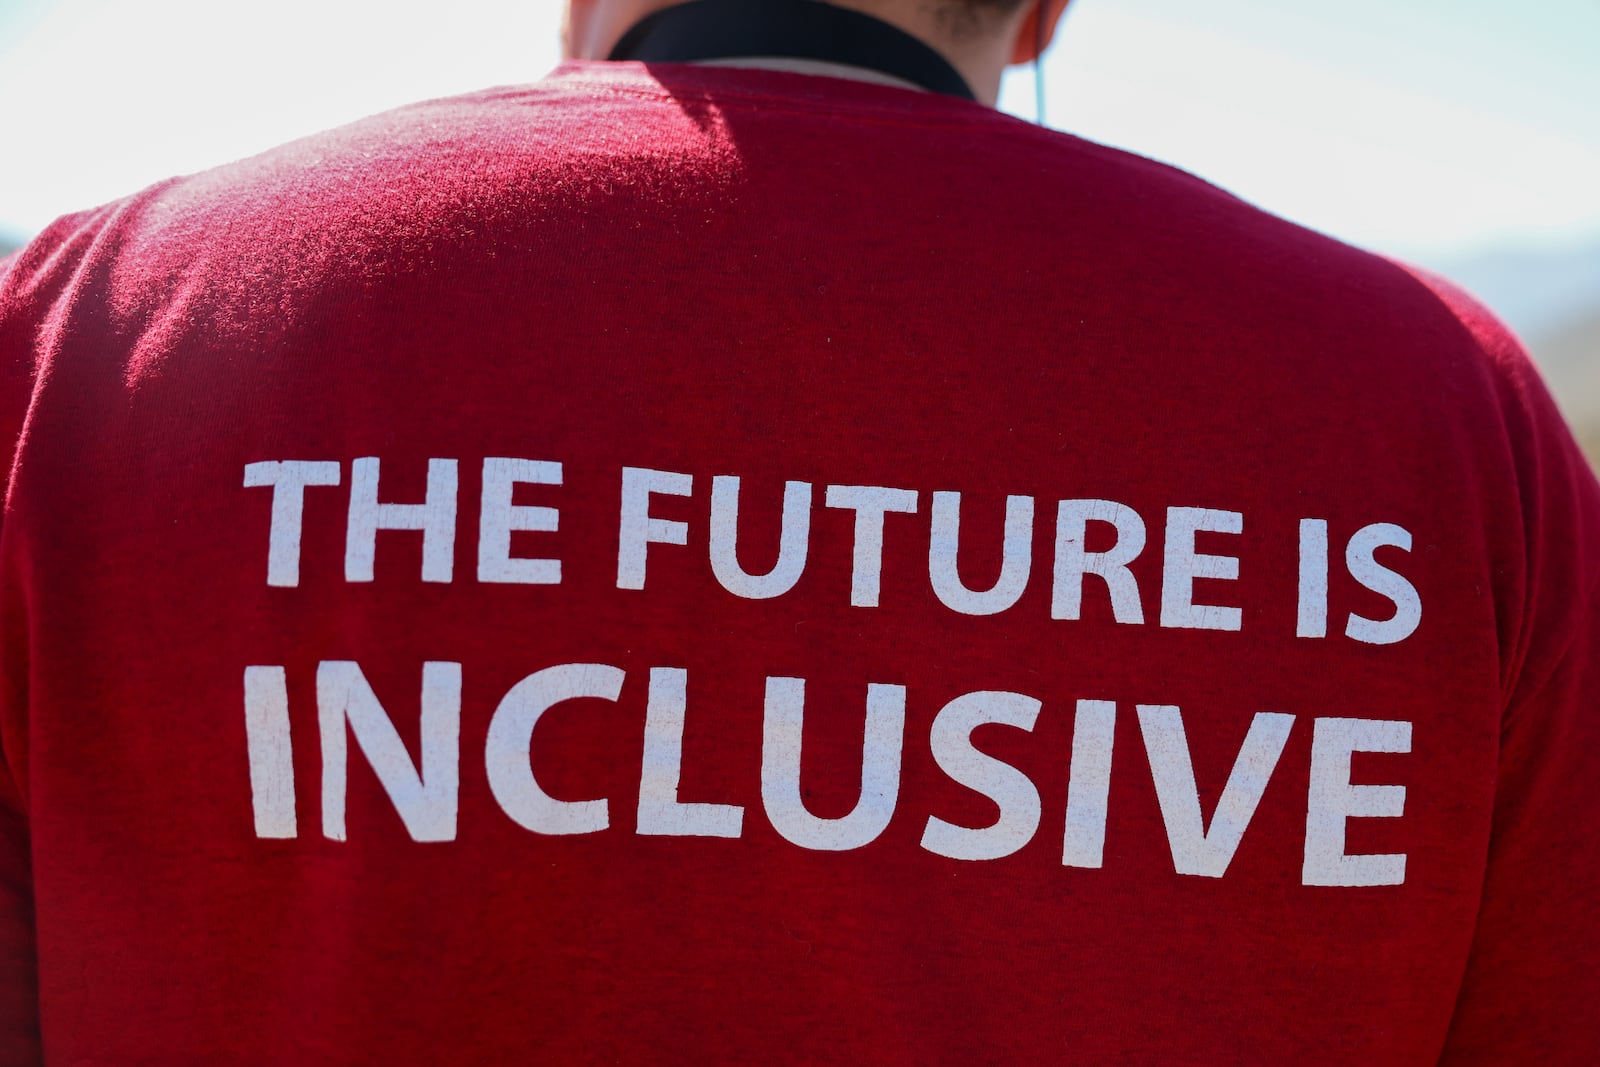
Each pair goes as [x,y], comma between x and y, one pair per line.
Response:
[978,60]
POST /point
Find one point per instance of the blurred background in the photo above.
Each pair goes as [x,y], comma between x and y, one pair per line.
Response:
[1458,135]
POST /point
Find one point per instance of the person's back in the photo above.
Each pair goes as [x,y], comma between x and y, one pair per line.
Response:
[995,598]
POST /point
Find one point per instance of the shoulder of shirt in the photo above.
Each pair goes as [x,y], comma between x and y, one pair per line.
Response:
[294,192]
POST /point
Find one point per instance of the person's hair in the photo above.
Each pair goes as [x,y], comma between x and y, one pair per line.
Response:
[973,18]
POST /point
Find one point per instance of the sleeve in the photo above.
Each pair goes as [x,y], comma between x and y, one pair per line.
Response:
[1533,975]
[37,286]
[19,995]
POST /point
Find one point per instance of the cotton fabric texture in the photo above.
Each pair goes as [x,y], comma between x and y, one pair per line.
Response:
[1201,782]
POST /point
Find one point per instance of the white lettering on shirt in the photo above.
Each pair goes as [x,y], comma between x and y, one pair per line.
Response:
[638,529]
[425,799]
[880,768]
[506,754]
[792,542]
[288,479]
[1089,783]
[1195,849]
[1073,560]
[1333,800]
[1385,582]
[870,503]
[435,517]
[1016,557]
[1181,565]
[498,517]
[266,724]
[660,810]
[951,742]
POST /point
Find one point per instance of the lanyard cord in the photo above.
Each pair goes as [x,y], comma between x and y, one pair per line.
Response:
[1038,64]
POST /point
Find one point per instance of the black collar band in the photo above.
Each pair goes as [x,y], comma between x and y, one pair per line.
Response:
[792,29]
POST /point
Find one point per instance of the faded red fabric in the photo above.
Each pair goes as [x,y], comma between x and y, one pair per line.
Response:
[707,273]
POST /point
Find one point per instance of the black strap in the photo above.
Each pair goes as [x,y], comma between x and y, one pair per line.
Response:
[793,29]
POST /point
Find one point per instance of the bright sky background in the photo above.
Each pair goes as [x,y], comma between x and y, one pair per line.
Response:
[1429,128]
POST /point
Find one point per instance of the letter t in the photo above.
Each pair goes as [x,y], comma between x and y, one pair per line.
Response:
[288,480]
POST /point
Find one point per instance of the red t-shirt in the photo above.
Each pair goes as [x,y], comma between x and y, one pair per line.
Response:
[676,564]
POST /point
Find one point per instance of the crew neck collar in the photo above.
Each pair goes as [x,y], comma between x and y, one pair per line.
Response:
[825,39]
